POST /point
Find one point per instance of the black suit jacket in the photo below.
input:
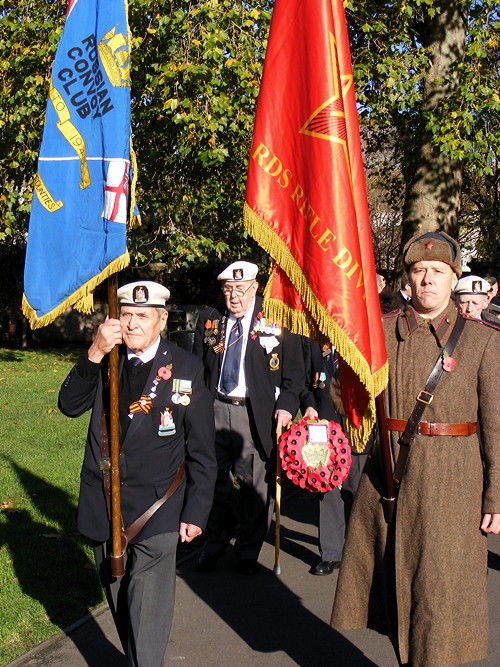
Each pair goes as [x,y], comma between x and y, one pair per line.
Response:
[317,397]
[148,460]
[261,379]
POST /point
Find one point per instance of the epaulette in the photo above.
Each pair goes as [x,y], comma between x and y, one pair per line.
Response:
[392,313]
[488,324]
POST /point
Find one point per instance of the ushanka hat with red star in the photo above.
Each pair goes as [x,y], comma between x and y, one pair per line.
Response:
[437,246]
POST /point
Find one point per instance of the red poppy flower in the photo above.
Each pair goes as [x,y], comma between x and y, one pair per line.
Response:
[449,364]
[164,373]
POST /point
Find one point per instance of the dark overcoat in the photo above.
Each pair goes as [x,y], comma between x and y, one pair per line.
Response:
[148,460]
[265,378]
[422,580]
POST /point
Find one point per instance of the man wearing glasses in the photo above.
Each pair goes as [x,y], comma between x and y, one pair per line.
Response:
[255,370]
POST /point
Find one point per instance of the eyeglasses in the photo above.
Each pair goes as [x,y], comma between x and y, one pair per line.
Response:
[239,291]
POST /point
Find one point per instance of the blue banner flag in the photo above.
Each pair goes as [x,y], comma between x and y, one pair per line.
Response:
[83,188]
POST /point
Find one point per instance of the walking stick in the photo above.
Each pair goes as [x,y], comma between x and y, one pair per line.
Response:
[277,507]
[117,567]
[389,498]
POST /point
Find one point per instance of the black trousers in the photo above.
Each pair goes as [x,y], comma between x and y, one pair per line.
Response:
[142,601]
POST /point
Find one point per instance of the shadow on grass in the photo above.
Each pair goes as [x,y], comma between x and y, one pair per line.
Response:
[52,566]
[10,355]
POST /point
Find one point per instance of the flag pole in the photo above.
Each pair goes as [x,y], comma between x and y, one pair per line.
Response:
[277,508]
[117,567]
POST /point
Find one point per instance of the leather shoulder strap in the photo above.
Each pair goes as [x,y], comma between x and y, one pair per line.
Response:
[424,398]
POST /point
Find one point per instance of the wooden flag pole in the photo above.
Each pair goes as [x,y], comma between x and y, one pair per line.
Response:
[117,553]
[277,508]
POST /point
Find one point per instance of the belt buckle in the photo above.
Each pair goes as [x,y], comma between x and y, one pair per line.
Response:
[236,401]
[425,397]
[105,464]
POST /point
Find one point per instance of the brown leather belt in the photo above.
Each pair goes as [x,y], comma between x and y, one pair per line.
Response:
[433,428]
[233,400]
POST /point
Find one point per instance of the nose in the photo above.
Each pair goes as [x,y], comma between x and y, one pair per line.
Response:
[427,278]
[132,323]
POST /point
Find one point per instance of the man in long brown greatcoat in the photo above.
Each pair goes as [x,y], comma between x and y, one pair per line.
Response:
[422,578]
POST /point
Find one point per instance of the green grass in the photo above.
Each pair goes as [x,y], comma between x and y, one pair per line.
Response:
[47,577]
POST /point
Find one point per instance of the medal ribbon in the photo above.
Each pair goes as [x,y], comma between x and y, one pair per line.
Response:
[144,404]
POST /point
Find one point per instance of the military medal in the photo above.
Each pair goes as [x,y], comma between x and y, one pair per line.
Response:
[322,380]
[274,362]
[221,344]
[167,424]
[144,405]
[326,349]
[315,383]
[145,402]
[181,389]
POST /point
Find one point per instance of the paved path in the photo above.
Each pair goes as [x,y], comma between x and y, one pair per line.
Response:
[223,619]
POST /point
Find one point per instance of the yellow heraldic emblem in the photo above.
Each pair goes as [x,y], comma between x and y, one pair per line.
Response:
[70,133]
[114,54]
[328,120]
[44,196]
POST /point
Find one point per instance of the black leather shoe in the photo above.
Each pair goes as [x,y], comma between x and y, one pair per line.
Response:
[325,567]
[248,566]
[206,562]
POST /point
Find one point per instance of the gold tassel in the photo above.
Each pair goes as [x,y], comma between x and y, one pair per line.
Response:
[82,299]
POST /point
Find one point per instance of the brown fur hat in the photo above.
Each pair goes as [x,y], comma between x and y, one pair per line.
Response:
[433,246]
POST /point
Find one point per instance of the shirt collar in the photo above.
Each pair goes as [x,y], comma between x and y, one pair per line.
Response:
[147,355]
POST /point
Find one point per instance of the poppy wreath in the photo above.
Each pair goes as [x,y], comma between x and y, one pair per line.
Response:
[315,466]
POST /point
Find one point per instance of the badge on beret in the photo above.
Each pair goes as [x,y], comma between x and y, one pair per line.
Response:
[237,274]
[140,294]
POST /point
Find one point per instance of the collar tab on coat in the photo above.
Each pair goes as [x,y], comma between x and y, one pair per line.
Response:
[409,321]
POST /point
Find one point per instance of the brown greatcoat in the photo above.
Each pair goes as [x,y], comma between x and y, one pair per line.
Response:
[422,580]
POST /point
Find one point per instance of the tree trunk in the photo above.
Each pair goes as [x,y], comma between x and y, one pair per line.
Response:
[434,184]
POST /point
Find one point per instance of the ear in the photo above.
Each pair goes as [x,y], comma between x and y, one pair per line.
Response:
[163,320]
[454,281]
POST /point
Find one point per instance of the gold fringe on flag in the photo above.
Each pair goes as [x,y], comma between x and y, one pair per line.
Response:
[133,220]
[82,300]
[322,322]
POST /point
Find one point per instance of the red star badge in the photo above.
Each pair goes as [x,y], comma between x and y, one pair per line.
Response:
[428,245]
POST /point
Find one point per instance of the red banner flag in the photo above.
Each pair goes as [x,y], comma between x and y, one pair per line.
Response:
[306,200]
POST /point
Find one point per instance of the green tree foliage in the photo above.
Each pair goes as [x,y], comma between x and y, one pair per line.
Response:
[419,116]
[196,68]
[29,33]
[195,79]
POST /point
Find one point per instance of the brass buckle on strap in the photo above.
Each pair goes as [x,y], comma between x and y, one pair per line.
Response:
[425,397]
[105,464]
